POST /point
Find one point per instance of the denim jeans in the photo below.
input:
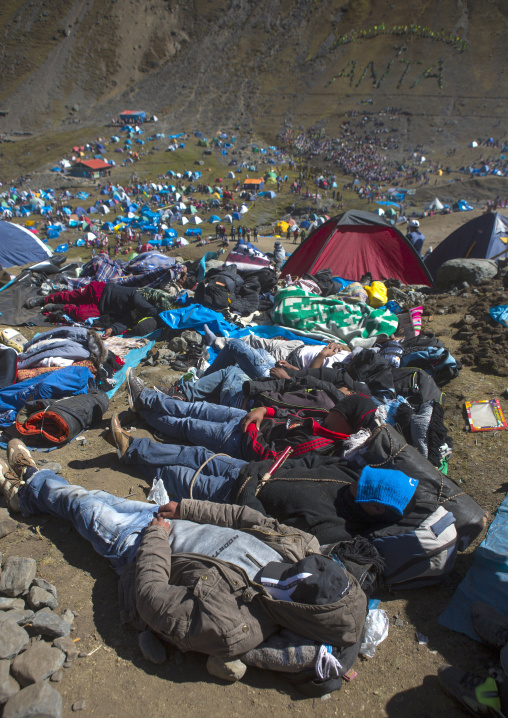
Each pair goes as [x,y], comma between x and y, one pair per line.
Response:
[256,363]
[111,524]
[215,427]
[177,465]
[222,387]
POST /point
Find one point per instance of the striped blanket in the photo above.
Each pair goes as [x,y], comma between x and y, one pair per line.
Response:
[352,324]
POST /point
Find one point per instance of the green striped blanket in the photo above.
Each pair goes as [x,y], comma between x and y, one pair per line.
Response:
[309,313]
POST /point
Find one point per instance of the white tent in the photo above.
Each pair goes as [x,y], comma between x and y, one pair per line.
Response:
[230,175]
[380,212]
[243,209]
[184,220]
[104,209]
[195,219]
[435,205]
[228,218]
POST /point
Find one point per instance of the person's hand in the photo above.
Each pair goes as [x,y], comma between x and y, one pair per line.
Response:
[169,511]
[159,521]
[107,333]
[255,416]
[283,364]
[331,349]
[279,373]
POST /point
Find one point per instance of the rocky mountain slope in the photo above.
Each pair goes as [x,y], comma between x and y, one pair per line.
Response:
[217,63]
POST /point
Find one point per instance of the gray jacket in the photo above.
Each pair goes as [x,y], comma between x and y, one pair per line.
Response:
[200,603]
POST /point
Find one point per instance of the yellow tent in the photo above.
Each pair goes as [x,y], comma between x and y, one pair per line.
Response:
[215,195]
[281,227]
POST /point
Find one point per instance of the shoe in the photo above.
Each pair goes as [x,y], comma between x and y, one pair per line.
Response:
[122,440]
[53,307]
[491,626]
[34,302]
[173,392]
[19,457]
[477,695]
[134,388]
[10,486]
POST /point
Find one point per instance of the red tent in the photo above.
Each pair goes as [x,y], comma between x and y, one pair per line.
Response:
[355,243]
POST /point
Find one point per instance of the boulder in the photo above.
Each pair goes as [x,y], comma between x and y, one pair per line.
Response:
[40,598]
[49,624]
[7,603]
[227,670]
[38,699]
[37,663]
[472,271]
[7,524]
[46,585]
[17,575]
[13,639]
[8,686]
[67,645]
[17,615]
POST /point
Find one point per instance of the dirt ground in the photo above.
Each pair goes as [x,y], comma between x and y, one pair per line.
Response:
[399,681]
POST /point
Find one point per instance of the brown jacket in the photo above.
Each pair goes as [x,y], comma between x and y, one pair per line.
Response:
[199,603]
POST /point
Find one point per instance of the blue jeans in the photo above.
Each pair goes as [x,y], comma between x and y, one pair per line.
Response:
[215,427]
[177,465]
[256,363]
[221,387]
[112,525]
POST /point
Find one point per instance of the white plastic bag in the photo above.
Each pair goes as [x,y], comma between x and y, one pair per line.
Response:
[374,632]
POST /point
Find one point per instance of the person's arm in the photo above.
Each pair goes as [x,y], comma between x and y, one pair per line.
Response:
[325,352]
[162,605]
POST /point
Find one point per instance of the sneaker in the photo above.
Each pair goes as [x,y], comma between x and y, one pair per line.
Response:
[34,302]
[173,392]
[134,388]
[490,625]
[19,457]
[121,439]
[477,695]
[10,486]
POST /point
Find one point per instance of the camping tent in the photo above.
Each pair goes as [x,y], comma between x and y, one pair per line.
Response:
[480,238]
[19,246]
[435,205]
[357,242]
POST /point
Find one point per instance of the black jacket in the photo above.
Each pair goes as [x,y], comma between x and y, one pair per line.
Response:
[124,306]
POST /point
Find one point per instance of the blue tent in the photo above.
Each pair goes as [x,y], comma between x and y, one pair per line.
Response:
[170,233]
[167,242]
[236,215]
[19,246]
[213,219]
[194,232]
[62,248]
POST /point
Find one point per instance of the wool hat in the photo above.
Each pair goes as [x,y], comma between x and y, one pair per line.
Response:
[388,487]
[315,579]
[358,410]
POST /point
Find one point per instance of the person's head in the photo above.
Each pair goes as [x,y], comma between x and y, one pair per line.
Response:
[414,224]
[384,492]
[352,413]
[277,244]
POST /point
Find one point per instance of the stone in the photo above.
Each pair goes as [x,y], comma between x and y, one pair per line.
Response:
[151,648]
[17,616]
[67,645]
[49,624]
[473,271]
[16,603]
[178,345]
[8,686]
[37,663]
[7,524]
[79,705]
[38,699]
[40,598]
[227,670]
[68,616]
[46,585]
[17,575]
[13,639]
[56,677]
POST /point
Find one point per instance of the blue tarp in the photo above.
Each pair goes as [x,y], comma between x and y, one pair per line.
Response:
[132,360]
[486,580]
[500,314]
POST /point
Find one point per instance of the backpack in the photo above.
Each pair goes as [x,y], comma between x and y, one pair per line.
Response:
[429,353]
[422,557]
[416,386]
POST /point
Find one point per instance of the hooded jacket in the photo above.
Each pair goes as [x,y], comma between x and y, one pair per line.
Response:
[200,603]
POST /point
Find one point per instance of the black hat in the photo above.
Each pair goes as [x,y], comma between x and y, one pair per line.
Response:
[358,410]
[316,580]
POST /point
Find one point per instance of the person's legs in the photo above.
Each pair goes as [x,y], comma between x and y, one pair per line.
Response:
[223,386]
[112,525]
[80,312]
[176,466]
[209,425]
[237,353]
[89,295]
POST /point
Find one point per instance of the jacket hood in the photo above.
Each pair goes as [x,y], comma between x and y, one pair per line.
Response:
[339,624]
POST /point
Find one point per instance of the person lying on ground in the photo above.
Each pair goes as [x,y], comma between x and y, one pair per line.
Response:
[261,433]
[119,307]
[208,577]
[312,492]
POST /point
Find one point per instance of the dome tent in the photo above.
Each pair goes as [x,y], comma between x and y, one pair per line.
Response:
[357,242]
[19,246]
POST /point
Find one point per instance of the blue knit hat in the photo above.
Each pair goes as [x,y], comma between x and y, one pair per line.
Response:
[388,487]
